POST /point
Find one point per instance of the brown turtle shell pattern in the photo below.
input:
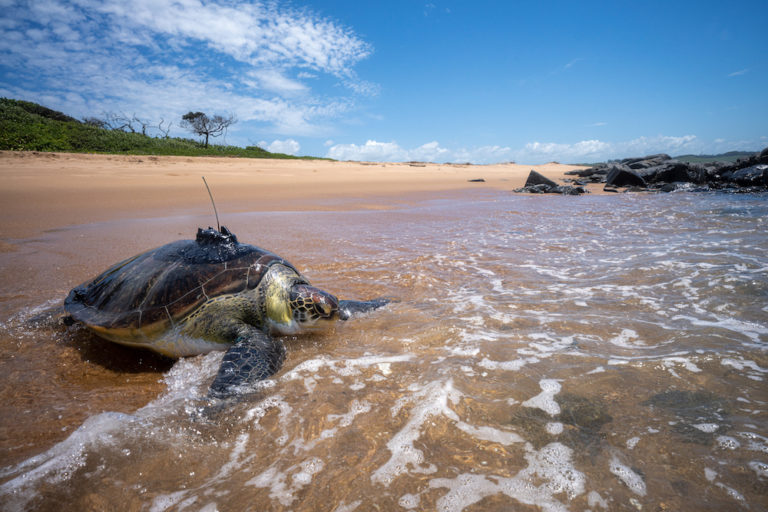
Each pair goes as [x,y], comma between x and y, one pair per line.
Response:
[155,290]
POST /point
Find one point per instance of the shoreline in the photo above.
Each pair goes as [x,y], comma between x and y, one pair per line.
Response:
[44,191]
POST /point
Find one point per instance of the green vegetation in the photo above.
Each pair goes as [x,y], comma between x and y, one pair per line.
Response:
[730,156]
[26,126]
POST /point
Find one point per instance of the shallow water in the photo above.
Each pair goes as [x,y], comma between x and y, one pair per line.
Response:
[547,353]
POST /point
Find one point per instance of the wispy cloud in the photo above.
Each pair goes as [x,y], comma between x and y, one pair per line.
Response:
[739,72]
[160,58]
[599,123]
[573,63]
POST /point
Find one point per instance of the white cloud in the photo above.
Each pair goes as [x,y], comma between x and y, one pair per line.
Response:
[370,151]
[739,72]
[274,80]
[532,152]
[287,146]
[430,152]
[586,149]
[161,58]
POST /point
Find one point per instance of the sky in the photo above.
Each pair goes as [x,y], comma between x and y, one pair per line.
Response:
[399,80]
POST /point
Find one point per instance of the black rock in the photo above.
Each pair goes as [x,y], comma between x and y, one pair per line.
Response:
[543,188]
[534,178]
[646,161]
[622,176]
[477,180]
[756,175]
[674,171]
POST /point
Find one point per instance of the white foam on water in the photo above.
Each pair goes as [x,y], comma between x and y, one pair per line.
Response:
[671,362]
[277,481]
[341,367]
[546,399]
[733,493]
[433,401]
[236,459]
[552,465]
[486,433]
[755,442]
[707,427]
[57,464]
[628,477]
[344,507]
[753,370]
[759,467]
[514,365]
[710,474]
[61,461]
[625,340]
[409,501]
[595,500]
[554,428]
[342,420]
[256,413]
[166,501]
[632,442]
[751,330]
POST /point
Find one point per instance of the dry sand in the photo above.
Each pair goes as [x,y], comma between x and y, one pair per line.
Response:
[43,191]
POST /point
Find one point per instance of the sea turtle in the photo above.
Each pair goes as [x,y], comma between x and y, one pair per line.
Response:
[213,293]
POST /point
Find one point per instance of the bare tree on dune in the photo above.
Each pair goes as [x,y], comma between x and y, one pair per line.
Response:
[200,124]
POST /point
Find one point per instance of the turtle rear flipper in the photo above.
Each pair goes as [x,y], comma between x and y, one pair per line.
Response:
[348,308]
[254,357]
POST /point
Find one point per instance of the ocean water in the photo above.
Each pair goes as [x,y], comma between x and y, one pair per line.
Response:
[545,353]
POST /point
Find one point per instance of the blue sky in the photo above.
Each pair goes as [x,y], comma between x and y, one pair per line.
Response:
[456,81]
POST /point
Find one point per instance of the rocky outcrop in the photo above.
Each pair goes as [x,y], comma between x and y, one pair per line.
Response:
[664,174]
[539,184]
[623,176]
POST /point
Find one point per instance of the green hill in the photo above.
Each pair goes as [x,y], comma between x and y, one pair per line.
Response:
[730,156]
[26,126]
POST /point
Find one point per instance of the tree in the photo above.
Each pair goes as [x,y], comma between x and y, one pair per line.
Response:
[201,124]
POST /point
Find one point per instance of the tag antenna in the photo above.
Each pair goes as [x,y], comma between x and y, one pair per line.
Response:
[218,226]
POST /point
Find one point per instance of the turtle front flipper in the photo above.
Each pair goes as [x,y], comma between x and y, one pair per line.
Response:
[254,357]
[347,308]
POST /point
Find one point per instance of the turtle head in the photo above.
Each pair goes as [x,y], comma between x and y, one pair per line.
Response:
[312,306]
[292,304]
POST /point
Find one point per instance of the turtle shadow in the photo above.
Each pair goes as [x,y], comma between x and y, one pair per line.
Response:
[54,324]
[115,357]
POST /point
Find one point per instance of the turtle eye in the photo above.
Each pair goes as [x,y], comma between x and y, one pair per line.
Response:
[323,309]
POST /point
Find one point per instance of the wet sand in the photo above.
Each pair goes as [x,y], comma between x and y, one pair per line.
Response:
[43,191]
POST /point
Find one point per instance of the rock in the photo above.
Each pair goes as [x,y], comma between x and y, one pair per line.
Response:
[662,173]
[622,176]
[538,184]
[557,189]
[477,180]
[599,170]
[646,161]
[567,190]
[534,178]
[673,171]
[756,175]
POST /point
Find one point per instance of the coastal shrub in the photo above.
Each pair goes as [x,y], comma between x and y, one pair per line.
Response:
[26,126]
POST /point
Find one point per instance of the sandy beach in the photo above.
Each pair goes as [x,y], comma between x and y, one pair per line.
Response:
[42,191]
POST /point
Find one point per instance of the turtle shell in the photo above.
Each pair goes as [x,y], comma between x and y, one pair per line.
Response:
[144,296]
